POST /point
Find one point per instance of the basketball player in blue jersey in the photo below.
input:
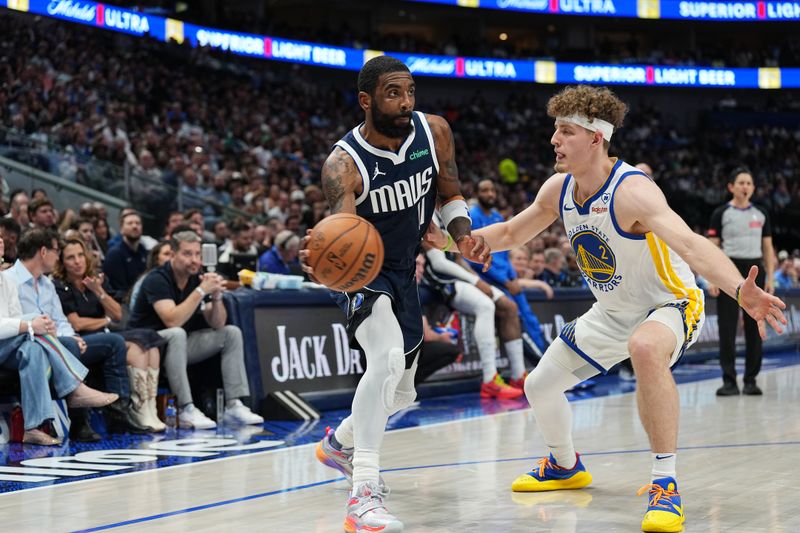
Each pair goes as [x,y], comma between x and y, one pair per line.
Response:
[635,254]
[391,170]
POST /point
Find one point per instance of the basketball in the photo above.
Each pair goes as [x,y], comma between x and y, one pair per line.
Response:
[345,251]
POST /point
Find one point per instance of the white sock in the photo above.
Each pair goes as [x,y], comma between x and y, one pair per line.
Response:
[344,433]
[188,407]
[515,358]
[565,456]
[489,370]
[365,467]
[663,464]
[231,403]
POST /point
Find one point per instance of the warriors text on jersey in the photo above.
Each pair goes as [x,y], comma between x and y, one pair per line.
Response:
[625,271]
[399,189]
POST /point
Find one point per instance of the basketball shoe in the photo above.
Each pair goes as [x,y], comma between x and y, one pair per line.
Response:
[549,476]
[341,460]
[518,383]
[366,512]
[497,388]
[664,511]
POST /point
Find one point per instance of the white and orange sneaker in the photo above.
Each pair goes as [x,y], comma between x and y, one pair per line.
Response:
[340,459]
[367,513]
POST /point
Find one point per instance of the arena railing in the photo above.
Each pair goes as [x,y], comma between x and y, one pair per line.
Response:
[152,197]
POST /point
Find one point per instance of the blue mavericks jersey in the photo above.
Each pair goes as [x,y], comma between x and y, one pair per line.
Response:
[399,193]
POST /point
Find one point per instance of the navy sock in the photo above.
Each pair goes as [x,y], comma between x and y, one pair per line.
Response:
[335,443]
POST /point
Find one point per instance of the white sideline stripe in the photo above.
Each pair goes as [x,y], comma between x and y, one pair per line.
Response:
[292,405]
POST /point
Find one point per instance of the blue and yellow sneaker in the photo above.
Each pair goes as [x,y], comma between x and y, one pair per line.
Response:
[550,476]
[664,512]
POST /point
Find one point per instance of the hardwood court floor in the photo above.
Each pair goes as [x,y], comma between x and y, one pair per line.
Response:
[738,470]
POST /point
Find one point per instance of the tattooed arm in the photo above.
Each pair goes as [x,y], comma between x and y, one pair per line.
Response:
[341,182]
[447,183]
[449,188]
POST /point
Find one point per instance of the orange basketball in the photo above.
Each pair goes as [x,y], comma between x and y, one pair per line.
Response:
[345,251]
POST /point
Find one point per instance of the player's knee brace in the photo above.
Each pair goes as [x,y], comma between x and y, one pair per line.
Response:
[402,400]
[396,364]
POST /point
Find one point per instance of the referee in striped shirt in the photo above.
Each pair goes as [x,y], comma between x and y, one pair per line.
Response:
[744,233]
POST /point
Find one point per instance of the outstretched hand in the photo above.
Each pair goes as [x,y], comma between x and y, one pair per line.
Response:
[474,248]
[761,305]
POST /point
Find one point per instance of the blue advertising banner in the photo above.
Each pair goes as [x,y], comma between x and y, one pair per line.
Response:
[323,55]
[645,9]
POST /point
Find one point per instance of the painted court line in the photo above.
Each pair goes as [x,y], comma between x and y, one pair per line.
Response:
[420,467]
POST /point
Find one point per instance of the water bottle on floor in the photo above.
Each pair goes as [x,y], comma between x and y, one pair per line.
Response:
[171,415]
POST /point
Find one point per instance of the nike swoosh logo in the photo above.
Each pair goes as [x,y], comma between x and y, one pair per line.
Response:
[569,208]
[663,456]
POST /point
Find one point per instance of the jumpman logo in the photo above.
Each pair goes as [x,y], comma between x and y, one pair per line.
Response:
[377,171]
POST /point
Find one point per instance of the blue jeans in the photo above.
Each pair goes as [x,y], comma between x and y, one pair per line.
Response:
[35,361]
[108,348]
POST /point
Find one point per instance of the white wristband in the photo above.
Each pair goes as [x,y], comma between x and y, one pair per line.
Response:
[30,329]
[453,209]
[201,291]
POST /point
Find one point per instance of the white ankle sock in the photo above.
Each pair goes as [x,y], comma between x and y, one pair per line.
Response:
[515,358]
[365,467]
[344,432]
[663,464]
[565,456]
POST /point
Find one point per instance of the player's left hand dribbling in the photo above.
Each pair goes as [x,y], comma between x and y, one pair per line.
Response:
[474,248]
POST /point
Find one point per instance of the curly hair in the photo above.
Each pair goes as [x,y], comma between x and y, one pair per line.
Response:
[591,102]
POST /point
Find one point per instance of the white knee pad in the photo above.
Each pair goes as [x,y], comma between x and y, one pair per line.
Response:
[402,400]
[396,365]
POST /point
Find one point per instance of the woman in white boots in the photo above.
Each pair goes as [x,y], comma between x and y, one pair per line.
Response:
[90,309]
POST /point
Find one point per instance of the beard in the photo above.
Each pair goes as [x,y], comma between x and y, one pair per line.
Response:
[487,204]
[385,124]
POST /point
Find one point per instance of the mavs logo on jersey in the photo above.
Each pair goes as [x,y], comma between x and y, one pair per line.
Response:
[595,258]
[398,189]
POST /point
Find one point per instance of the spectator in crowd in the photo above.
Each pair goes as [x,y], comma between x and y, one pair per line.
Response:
[38,253]
[222,233]
[172,302]
[282,257]
[520,260]
[174,220]
[9,232]
[786,274]
[18,207]
[41,213]
[86,302]
[146,240]
[239,252]
[85,228]
[439,349]
[501,274]
[101,235]
[463,290]
[24,347]
[554,273]
[197,221]
[744,233]
[195,196]
[158,257]
[125,262]
[536,263]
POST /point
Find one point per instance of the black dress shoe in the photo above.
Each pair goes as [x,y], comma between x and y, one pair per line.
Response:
[751,389]
[728,389]
[120,420]
[80,430]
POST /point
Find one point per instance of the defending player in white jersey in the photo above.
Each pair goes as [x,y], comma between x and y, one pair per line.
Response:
[633,251]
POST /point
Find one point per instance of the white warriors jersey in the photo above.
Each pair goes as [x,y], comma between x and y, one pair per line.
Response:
[626,272]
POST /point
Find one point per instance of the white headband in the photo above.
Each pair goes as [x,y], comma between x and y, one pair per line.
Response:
[598,124]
